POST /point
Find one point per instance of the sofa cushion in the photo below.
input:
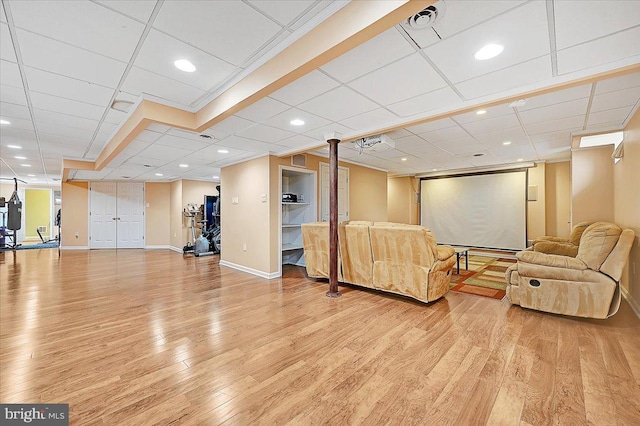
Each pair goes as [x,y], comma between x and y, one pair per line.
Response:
[577,231]
[597,242]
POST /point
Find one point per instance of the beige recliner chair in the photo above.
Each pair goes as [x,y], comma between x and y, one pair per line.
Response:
[584,286]
[561,246]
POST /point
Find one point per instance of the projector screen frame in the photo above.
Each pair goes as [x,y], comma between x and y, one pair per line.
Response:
[479,173]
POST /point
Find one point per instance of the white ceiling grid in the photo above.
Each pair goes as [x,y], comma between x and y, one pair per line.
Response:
[75,55]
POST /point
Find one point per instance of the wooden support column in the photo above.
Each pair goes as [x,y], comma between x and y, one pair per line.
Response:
[333,217]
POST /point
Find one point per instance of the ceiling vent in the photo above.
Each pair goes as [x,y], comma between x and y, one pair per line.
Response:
[426,18]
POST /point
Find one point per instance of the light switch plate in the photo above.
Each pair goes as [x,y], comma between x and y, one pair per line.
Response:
[234,200]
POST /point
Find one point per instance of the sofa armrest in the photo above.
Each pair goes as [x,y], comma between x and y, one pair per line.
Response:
[445,252]
[552,239]
[551,260]
[554,247]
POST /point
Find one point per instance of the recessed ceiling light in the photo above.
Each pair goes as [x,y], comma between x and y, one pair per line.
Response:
[520,159]
[184,165]
[223,151]
[31,175]
[5,122]
[14,146]
[25,165]
[159,174]
[18,157]
[481,111]
[489,51]
[434,170]
[506,143]
[297,122]
[403,159]
[184,65]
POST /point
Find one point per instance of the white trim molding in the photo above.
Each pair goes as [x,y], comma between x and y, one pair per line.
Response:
[74,247]
[251,271]
[632,302]
[176,249]
[157,247]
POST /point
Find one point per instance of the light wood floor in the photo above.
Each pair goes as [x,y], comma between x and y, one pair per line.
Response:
[135,337]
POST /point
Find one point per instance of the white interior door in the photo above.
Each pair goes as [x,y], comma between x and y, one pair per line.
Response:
[102,215]
[130,217]
[343,193]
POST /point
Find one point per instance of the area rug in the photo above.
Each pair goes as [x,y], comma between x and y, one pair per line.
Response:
[51,244]
[485,277]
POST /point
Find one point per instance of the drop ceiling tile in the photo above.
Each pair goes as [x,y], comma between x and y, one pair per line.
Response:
[437,99]
[565,124]
[93,175]
[13,95]
[249,145]
[411,143]
[522,31]
[431,126]
[3,17]
[283,11]
[309,86]
[507,78]
[66,131]
[318,134]
[491,112]
[556,97]
[76,151]
[231,125]
[184,134]
[43,116]
[16,134]
[618,115]
[464,145]
[263,110]
[339,104]
[53,56]
[211,154]
[487,160]
[371,55]
[460,15]
[242,28]
[555,138]
[297,141]
[115,117]
[69,88]
[399,133]
[160,51]
[605,126]
[140,10]
[83,24]
[142,81]
[263,133]
[611,100]
[601,51]
[555,112]
[283,121]
[377,117]
[443,135]
[66,106]
[618,83]
[17,123]
[10,74]
[14,110]
[107,129]
[158,128]
[163,152]
[186,144]
[596,19]
[417,77]
[142,161]
[6,46]
[515,135]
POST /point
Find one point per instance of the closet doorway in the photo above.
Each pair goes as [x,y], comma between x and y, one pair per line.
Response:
[116,211]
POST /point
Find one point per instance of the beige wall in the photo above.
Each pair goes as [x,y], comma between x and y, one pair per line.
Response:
[157,213]
[75,214]
[175,215]
[536,210]
[401,205]
[558,199]
[627,202]
[592,185]
[248,222]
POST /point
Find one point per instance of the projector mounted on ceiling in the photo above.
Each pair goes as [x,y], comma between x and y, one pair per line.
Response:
[376,143]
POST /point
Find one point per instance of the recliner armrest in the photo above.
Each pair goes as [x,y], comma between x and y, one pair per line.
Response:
[549,238]
[552,260]
[555,247]
[445,252]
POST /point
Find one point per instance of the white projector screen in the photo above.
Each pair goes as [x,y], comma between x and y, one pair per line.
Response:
[487,210]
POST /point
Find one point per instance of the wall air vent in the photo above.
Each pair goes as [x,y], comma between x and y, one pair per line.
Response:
[426,17]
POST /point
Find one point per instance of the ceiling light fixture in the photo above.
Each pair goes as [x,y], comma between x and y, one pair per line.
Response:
[403,159]
[434,170]
[297,122]
[159,174]
[18,157]
[14,146]
[506,143]
[25,165]
[5,122]
[223,151]
[184,65]
[489,51]
[184,165]
[520,159]
[481,111]
[31,175]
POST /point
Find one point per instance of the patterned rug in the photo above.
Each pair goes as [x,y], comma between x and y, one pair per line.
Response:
[485,277]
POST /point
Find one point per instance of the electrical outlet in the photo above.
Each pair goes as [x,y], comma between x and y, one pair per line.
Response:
[77,234]
[234,200]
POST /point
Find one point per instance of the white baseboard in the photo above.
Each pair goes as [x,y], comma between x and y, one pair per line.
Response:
[251,271]
[157,247]
[632,302]
[176,249]
[74,248]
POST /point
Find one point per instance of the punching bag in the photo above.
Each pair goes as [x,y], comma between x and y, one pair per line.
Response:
[14,215]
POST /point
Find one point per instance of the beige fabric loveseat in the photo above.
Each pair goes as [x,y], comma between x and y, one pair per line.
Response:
[397,258]
[585,286]
[561,246]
